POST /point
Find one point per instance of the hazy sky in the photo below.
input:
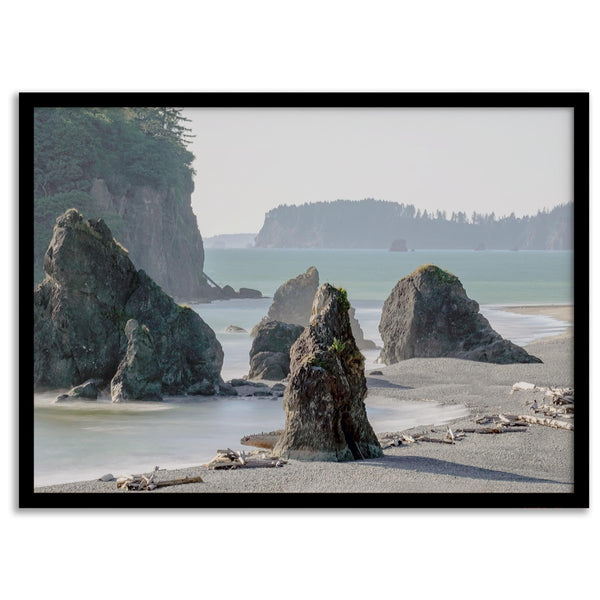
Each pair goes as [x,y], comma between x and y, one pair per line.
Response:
[503,160]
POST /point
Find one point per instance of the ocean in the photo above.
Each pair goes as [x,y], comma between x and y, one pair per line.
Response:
[86,440]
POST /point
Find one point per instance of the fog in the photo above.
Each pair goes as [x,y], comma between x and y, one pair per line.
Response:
[502,160]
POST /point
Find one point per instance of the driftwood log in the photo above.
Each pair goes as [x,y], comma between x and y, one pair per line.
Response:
[229,459]
[546,421]
[262,440]
[148,483]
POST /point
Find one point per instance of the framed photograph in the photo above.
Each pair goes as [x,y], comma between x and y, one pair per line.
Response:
[297,300]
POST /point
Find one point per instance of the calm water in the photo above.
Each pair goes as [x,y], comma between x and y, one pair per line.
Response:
[86,440]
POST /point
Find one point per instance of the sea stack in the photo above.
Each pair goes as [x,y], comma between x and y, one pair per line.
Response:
[293,300]
[91,290]
[326,417]
[292,303]
[428,314]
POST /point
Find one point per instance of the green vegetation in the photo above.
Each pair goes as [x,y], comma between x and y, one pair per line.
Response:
[337,346]
[344,302]
[313,361]
[440,275]
[125,147]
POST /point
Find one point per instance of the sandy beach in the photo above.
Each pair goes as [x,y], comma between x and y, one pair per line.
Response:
[537,459]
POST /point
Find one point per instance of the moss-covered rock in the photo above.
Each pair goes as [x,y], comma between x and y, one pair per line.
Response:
[326,417]
[428,314]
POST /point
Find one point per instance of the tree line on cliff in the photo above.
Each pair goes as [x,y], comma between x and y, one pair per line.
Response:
[371,223]
[124,147]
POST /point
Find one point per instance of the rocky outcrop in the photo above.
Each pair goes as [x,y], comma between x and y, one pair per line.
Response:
[139,376]
[326,417]
[270,352]
[88,390]
[428,314]
[292,302]
[357,332]
[398,245]
[90,291]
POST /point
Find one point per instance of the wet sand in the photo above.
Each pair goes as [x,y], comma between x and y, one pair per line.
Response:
[562,312]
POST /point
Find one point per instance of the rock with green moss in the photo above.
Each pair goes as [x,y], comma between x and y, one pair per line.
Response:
[326,417]
[428,314]
[81,308]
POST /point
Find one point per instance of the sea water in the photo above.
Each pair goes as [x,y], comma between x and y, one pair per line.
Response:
[85,440]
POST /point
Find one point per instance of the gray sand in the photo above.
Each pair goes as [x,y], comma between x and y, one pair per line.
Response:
[539,459]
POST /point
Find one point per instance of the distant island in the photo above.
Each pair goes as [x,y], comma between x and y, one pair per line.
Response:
[371,223]
[230,240]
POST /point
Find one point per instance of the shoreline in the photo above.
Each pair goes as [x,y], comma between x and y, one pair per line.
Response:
[538,459]
[560,312]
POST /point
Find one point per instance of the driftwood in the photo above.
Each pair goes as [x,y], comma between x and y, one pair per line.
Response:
[262,440]
[148,483]
[546,421]
[229,459]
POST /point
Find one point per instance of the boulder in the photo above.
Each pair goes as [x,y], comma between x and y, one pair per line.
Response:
[203,388]
[91,290]
[326,417]
[249,293]
[428,314]
[235,329]
[88,390]
[139,376]
[226,389]
[270,352]
[228,292]
[398,245]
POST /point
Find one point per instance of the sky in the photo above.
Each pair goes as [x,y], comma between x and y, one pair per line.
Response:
[249,161]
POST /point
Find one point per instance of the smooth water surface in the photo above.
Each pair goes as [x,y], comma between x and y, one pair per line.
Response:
[85,440]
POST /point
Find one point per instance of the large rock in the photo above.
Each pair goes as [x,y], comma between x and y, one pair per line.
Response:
[428,314]
[139,376]
[270,352]
[90,291]
[292,302]
[326,417]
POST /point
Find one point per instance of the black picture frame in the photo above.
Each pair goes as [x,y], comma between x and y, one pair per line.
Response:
[577,101]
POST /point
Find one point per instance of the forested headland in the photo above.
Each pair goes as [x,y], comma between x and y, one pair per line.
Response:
[131,167]
[374,223]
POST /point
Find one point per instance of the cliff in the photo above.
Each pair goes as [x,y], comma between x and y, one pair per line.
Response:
[376,224]
[161,234]
[129,167]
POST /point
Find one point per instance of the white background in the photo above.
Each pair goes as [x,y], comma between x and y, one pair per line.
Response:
[268,46]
